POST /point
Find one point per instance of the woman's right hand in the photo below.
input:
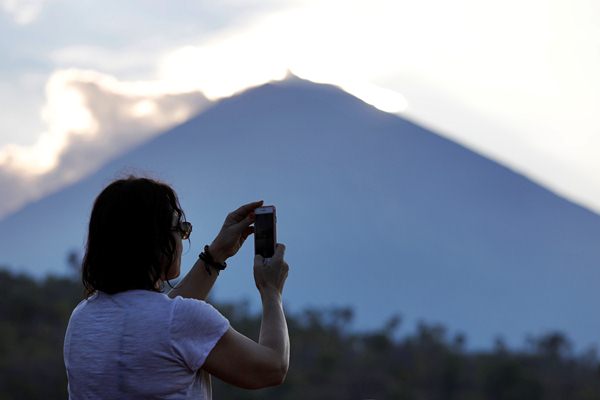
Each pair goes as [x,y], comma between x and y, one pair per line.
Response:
[270,273]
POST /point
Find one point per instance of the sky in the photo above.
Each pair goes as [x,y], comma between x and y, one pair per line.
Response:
[84,81]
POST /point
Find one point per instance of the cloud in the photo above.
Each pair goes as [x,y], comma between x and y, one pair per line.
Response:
[91,117]
[23,12]
[126,60]
[267,48]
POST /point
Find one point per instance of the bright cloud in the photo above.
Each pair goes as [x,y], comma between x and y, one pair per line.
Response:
[23,12]
[91,117]
[268,48]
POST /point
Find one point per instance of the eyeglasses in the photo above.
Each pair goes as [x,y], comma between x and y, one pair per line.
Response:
[184,228]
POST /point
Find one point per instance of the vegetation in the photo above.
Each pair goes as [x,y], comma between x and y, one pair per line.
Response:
[329,360]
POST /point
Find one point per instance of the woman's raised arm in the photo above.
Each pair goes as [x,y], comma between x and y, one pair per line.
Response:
[239,360]
[234,232]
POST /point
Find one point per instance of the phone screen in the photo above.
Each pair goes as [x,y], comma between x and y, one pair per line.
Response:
[264,231]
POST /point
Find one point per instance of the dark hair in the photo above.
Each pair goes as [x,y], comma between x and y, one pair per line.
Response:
[130,242]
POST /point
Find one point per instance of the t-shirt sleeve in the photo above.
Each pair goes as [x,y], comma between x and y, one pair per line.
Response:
[196,327]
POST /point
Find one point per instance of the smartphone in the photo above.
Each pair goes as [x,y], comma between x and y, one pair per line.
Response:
[265,232]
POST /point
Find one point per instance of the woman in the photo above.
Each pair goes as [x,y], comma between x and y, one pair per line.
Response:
[128,340]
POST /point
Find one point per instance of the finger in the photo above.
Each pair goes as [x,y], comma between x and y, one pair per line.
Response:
[279,251]
[247,232]
[244,210]
[243,225]
[258,259]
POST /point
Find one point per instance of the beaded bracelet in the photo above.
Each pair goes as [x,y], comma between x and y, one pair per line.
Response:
[209,261]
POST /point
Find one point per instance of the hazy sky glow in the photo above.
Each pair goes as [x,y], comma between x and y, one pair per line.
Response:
[515,80]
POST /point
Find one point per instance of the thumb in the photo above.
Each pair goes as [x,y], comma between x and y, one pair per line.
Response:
[247,232]
[279,251]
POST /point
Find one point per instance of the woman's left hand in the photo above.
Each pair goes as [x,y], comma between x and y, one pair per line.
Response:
[234,232]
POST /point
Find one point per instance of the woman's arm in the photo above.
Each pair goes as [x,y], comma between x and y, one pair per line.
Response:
[274,330]
[236,229]
[239,360]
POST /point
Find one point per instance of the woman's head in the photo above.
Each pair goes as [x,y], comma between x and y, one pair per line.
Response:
[133,241]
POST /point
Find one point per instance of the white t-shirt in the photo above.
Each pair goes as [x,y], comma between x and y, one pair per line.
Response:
[140,344]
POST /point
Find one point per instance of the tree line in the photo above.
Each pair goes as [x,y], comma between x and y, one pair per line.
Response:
[328,359]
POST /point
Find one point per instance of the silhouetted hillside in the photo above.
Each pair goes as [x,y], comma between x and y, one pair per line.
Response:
[328,360]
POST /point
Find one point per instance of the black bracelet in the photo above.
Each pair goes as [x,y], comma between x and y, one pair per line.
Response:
[209,261]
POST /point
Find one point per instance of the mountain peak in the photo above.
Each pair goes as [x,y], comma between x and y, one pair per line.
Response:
[290,76]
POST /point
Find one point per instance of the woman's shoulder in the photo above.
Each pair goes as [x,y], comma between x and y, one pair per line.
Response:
[83,303]
[196,314]
[184,305]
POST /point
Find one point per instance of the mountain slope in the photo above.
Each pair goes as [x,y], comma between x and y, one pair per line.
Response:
[376,211]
